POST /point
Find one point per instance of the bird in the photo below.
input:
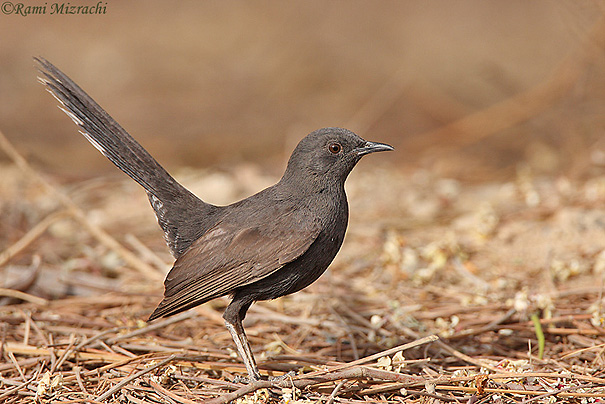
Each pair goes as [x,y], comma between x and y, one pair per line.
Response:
[271,244]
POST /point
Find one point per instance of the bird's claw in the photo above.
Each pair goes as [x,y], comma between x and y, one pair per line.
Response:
[282,378]
[240,379]
[245,379]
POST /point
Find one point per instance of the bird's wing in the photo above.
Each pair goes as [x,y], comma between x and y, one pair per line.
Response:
[231,255]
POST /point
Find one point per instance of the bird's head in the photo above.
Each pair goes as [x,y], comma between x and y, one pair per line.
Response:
[328,154]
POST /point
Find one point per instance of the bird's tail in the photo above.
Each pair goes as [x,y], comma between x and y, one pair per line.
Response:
[105,134]
[173,203]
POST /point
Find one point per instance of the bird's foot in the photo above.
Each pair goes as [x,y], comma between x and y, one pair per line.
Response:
[282,378]
[240,379]
[246,379]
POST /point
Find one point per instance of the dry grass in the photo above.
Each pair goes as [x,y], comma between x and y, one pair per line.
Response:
[507,275]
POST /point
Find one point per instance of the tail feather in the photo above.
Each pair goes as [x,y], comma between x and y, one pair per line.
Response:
[104,132]
[168,307]
[174,205]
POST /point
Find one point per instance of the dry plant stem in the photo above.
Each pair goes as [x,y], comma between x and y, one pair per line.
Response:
[552,393]
[115,365]
[23,385]
[520,392]
[488,327]
[77,372]
[68,351]
[371,358]
[26,282]
[579,351]
[101,235]
[28,319]
[499,376]
[24,363]
[23,296]
[349,333]
[508,375]
[133,399]
[166,393]
[335,391]
[33,350]
[15,389]
[266,314]
[467,358]
[431,395]
[16,364]
[358,372]
[98,337]
[146,253]
[206,380]
[132,377]
[156,326]
[30,236]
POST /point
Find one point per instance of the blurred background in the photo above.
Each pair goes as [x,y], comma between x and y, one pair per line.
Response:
[469,89]
[489,211]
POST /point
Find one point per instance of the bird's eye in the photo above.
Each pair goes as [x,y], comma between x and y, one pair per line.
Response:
[334,148]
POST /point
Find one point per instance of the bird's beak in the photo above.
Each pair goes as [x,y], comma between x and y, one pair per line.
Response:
[371,147]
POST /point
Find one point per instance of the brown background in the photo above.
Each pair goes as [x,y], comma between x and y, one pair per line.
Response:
[214,83]
[487,217]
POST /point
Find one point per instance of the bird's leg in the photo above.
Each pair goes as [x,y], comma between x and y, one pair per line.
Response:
[243,348]
[234,314]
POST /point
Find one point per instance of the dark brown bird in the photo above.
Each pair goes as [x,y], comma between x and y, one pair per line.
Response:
[271,244]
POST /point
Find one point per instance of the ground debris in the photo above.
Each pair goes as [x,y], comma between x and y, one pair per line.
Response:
[477,269]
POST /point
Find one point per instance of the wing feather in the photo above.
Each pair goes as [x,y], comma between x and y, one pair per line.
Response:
[230,256]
